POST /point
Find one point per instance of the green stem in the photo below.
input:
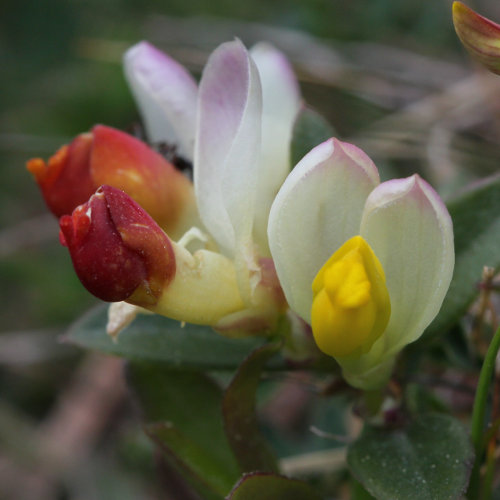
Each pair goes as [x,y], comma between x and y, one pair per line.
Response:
[373,400]
[486,490]
[479,410]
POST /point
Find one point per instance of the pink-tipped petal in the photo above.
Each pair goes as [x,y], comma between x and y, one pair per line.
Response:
[280,104]
[166,95]
[317,209]
[228,145]
[410,230]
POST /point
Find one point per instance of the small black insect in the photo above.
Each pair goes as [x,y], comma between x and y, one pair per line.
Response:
[167,150]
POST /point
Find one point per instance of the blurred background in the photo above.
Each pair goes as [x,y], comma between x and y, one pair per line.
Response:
[389,75]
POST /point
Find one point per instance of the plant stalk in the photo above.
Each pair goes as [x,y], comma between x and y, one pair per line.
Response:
[479,410]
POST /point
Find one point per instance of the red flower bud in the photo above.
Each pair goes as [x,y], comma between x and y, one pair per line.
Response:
[117,249]
[109,156]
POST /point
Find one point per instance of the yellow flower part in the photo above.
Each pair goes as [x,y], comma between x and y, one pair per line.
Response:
[351,305]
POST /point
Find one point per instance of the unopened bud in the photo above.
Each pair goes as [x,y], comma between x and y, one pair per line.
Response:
[117,249]
[109,156]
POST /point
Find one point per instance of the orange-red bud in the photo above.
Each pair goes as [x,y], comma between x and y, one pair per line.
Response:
[109,156]
[118,251]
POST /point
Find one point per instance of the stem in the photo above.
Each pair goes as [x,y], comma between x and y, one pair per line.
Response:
[373,400]
[482,392]
[489,475]
[479,410]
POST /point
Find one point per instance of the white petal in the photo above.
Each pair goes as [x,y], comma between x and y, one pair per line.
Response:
[228,145]
[120,315]
[280,105]
[166,95]
[410,231]
[317,209]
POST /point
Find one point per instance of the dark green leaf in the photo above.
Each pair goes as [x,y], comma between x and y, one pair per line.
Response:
[429,458]
[476,224]
[309,130]
[193,463]
[264,486]
[357,492]
[156,338]
[240,420]
[183,415]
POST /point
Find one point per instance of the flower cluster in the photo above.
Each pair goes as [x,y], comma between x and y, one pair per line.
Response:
[366,264]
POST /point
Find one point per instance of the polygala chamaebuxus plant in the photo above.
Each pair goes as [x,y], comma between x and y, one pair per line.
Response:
[367,265]
[313,261]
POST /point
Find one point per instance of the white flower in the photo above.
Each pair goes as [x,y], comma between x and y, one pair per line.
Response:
[236,127]
[333,195]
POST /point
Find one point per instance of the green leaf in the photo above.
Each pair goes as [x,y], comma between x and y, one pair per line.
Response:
[429,458]
[250,448]
[264,486]
[193,463]
[156,338]
[476,224]
[309,130]
[357,492]
[182,411]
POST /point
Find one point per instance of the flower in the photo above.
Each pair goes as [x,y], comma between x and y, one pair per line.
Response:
[120,253]
[480,36]
[366,264]
[238,132]
[236,127]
